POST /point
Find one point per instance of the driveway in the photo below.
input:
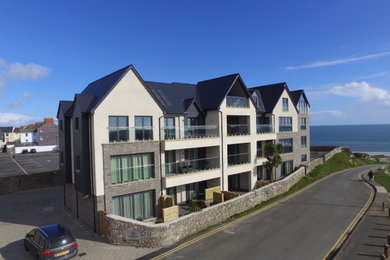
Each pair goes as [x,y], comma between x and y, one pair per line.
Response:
[22,211]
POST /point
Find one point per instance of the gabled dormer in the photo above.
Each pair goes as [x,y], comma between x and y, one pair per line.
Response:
[300,101]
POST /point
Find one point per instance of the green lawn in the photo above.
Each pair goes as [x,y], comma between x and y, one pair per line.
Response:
[383,179]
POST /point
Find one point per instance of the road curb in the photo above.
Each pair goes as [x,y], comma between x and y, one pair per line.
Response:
[354,223]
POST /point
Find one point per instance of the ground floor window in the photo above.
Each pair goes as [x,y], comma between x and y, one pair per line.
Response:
[234,182]
[137,206]
[287,168]
[132,167]
[259,172]
[172,192]
[304,157]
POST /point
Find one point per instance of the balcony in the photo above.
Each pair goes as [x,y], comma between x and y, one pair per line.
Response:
[130,134]
[237,129]
[190,166]
[237,159]
[233,101]
[265,128]
[189,132]
[285,128]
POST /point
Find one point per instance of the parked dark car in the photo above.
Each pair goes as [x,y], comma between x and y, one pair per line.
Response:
[24,151]
[51,242]
[33,150]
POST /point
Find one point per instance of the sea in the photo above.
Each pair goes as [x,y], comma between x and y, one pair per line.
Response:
[370,139]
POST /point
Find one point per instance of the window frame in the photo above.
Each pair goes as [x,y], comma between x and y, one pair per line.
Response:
[287,148]
[303,141]
[285,124]
[132,198]
[117,130]
[142,127]
[285,104]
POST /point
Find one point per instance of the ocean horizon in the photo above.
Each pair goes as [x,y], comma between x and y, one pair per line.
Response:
[371,139]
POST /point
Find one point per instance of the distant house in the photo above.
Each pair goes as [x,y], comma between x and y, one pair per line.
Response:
[41,133]
[9,134]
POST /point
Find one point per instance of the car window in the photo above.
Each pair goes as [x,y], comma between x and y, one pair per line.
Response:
[31,234]
[60,241]
[41,242]
[36,237]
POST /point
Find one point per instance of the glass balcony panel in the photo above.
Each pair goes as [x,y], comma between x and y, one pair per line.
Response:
[237,129]
[187,132]
[130,134]
[232,101]
[236,159]
[285,128]
[191,166]
[265,128]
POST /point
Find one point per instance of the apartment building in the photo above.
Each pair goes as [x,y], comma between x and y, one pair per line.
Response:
[124,142]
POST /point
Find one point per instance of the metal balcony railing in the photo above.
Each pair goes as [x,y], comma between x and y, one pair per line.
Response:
[190,166]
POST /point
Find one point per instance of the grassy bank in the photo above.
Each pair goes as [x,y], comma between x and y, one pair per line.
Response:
[383,179]
[338,162]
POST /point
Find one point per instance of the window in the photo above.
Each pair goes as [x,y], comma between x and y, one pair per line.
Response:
[170,162]
[255,100]
[61,157]
[143,128]
[259,149]
[259,172]
[60,123]
[172,192]
[41,138]
[126,168]
[302,105]
[285,104]
[303,123]
[287,168]
[304,157]
[118,128]
[77,163]
[137,206]
[169,128]
[76,123]
[285,124]
[287,145]
[41,130]
[303,142]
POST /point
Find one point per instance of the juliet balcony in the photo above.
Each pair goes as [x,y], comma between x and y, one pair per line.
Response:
[130,134]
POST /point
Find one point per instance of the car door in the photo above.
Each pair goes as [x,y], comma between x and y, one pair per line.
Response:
[37,244]
[29,240]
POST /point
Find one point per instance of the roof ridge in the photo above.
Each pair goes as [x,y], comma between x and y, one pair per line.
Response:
[233,74]
[126,67]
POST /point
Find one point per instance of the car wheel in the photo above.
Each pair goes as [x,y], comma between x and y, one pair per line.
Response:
[25,245]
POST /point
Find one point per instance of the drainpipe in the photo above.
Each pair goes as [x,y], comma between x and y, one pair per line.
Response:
[222,166]
[91,172]
[160,144]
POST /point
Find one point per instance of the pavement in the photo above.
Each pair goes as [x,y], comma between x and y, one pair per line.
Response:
[22,211]
[370,235]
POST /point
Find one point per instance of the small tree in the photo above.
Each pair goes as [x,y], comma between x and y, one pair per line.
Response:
[272,154]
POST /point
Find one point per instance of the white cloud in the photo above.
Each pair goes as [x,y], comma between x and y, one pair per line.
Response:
[13,105]
[324,63]
[18,71]
[363,91]
[27,95]
[11,119]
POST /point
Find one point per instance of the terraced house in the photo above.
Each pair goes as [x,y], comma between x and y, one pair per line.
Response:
[124,142]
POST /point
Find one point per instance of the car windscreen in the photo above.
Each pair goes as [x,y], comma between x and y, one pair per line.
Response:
[60,241]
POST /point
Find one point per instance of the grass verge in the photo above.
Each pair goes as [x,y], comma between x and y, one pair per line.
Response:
[338,162]
[383,179]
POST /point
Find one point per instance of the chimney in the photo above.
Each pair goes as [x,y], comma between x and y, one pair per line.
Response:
[48,120]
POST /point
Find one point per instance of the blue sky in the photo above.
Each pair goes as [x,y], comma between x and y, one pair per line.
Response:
[337,51]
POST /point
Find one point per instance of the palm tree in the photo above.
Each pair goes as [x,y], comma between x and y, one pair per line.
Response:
[272,153]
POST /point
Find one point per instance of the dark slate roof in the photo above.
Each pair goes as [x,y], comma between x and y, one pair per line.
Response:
[296,95]
[6,129]
[174,98]
[66,106]
[85,102]
[212,92]
[101,87]
[260,104]
[271,94]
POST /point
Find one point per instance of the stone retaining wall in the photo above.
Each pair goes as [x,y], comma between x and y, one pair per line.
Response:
[124,231]
[12,184]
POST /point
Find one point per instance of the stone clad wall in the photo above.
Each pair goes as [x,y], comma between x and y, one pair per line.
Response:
[124,231]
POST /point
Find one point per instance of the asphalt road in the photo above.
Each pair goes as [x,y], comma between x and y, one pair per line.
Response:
[303,227]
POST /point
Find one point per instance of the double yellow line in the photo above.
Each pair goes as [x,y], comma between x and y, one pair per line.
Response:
[354,222]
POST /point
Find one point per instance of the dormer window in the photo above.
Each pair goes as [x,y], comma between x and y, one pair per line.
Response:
[302,105]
